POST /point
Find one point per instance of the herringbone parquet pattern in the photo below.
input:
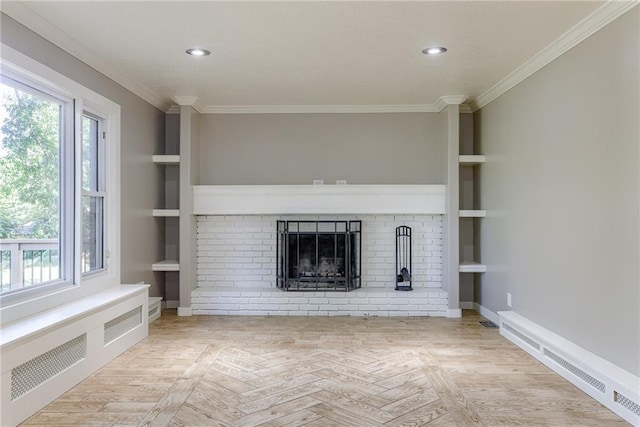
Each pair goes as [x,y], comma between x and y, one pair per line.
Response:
[239,371]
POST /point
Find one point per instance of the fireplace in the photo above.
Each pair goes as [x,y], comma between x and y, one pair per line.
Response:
[318,255]
[238,256]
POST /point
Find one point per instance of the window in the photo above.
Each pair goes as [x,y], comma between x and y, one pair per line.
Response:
[35,202]
[59,186]
[93,194]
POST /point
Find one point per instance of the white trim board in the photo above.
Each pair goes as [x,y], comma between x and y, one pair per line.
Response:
[436,107]
[318,109]
[607,383]
[22,13]
[171,304]
[185,311]
[600,18]
[485,312]
[318,199]
[454,313]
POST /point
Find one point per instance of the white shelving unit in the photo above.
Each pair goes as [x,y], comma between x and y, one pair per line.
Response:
[475,213]
[166,212]
[472,267]
[166,160]
[471,160]
[166,265]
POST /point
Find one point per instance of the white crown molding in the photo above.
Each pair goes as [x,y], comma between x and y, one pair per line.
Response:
[465,109]
[21,12]
[302,109]
[185,100]
[436,107]
[579,32]
[174,109]
[451,100]
[191,101]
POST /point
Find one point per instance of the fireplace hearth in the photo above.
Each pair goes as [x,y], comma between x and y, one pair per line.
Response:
[318,255]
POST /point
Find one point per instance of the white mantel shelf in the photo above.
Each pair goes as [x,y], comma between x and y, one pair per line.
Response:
[318,199]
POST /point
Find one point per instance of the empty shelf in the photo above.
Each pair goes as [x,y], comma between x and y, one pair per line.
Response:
[166,212]
[471,160]
[166,159]
[472,213]
[166,265]
[472,267]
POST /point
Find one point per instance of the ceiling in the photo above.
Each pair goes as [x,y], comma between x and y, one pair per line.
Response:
[340,54]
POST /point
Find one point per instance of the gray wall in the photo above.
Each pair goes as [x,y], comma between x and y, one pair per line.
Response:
[142,134]
[398,148]
[561,186]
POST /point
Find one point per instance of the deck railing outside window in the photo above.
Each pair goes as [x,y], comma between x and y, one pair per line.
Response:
[28,262]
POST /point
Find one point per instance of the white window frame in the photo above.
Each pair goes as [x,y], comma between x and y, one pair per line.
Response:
[18,305]
[66,162]
[101,192]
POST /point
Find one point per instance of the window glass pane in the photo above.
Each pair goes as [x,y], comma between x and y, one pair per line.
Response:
[89,154]
[30,188]
[93,199]
[92,236]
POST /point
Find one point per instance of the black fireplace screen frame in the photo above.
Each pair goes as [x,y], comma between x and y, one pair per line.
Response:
[303,263]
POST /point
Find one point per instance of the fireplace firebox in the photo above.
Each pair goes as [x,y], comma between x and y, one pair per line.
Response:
[318,255]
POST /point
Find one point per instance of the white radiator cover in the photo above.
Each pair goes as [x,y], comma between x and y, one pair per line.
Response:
[45,355]
[607,383]
[236,269]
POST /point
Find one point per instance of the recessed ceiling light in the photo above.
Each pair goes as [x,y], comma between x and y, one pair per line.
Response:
[436,50]
[196,51]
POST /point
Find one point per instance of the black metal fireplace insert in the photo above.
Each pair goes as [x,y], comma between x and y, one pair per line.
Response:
[318,255]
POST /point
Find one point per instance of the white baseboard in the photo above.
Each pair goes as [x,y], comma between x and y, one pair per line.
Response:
[607,383]
[171,304]
[466,305]
[185,311]
[454,313]
[485,312]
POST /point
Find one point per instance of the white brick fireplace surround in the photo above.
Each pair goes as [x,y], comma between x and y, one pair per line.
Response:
[237,269]
[236,259]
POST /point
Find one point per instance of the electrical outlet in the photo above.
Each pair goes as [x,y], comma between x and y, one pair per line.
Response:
[509,299]
[341,181]
[318,182]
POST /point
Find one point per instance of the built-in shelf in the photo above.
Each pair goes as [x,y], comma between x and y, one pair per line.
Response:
[166,265]
[472,267]
[166,159]
[470,160]
[166,212]
[472,213]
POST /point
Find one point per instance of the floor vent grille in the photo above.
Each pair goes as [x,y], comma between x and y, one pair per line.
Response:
[522,336]
[39,370]
[598,385]
[488,324]
[627,403]
[119,326]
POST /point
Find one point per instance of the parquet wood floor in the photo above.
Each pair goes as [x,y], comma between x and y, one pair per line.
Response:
[329,371]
